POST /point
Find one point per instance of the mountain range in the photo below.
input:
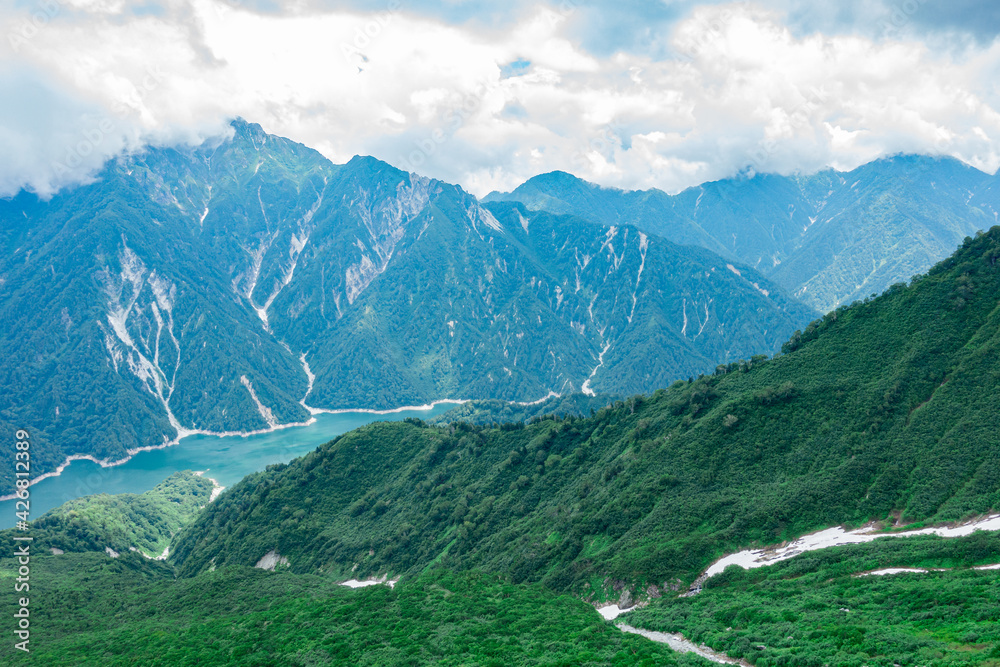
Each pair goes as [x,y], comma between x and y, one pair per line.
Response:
[828,238]
[249,282]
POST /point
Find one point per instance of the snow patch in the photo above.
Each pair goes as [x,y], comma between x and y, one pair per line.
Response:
[832,537]
[893,570]
[354,583]
[612,611]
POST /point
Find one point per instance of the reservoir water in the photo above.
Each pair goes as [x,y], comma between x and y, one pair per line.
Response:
[226,459]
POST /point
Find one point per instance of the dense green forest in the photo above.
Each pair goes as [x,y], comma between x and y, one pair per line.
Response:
[122,522]
[93,610]
[495,412]
[814,609]
[883,410]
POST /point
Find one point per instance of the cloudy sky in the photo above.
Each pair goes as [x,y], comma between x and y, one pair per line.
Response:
[626,93]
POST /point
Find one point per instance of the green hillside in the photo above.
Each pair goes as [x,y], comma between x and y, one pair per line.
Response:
[492,411]
[92,610]
[815,609]
[881,410]
[122,522]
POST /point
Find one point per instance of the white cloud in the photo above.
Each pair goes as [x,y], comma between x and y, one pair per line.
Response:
[432,97]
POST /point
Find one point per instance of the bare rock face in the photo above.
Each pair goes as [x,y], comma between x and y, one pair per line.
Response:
[270,560]
[653,591]
[626,601]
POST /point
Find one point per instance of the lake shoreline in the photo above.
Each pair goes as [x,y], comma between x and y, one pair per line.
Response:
[183,433]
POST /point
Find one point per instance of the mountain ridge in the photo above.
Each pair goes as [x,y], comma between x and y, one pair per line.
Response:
[820,236]
[232,286]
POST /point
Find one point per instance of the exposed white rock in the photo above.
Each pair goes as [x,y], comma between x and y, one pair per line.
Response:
[600,362]
[271,560]
[311,379]
[127,350]
[678,643]
[264,411]
[643,247]
[478,214]
[385,219]
[684,309]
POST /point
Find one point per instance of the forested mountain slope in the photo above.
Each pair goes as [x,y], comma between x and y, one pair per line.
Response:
[248,282]
[884,410]
[91,610]
[143,522]
[830,238]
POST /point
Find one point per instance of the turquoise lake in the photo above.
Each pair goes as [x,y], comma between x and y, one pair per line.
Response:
[225,459]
